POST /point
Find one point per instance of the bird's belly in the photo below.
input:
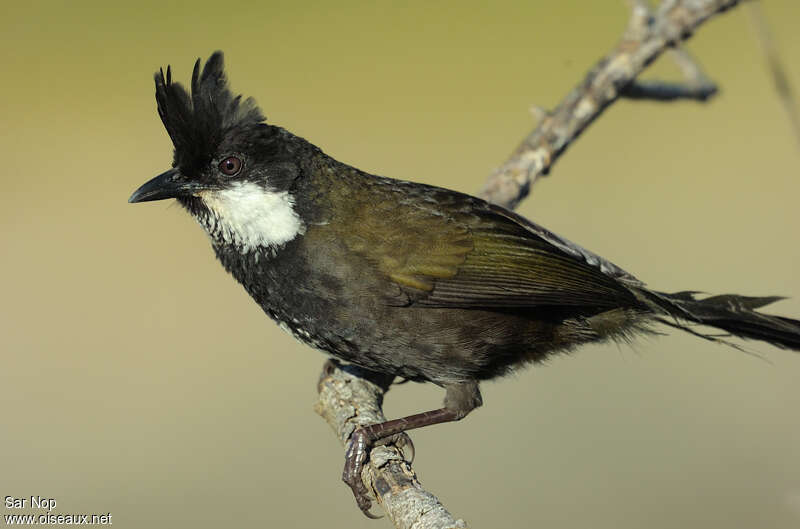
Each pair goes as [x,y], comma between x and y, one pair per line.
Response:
[351,315]
[432,344]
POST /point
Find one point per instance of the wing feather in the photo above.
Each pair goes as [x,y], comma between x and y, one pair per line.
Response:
[446,249]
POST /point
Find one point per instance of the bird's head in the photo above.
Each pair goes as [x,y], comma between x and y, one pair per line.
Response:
[231,170]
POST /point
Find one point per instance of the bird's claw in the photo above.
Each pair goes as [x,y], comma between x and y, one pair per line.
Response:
[356,455]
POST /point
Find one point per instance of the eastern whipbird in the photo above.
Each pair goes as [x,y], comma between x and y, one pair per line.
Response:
[401,278]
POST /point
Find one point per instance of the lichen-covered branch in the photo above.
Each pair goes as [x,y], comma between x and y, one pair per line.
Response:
[350,397]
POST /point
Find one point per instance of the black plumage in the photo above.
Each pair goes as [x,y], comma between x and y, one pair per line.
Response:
[402,278]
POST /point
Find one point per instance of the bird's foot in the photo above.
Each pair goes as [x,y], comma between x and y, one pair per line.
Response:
[356,455]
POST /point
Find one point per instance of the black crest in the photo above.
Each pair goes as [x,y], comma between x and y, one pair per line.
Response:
[197,123]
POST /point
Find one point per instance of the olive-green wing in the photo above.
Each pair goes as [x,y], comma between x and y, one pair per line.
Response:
[445,249]
[409,244]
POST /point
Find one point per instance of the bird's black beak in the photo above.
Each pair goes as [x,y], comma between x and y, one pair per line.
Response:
[169,184]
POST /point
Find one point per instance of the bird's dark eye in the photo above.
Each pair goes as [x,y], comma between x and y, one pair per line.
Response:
[230,165]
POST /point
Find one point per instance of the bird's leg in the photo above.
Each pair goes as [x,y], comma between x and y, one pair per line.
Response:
[460,399]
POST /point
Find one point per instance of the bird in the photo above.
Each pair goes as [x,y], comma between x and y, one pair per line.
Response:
[400,278]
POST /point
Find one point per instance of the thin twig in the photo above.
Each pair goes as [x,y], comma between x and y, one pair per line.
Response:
[697,85]
[689,67]
[350,397]
[782,85]
[665,91]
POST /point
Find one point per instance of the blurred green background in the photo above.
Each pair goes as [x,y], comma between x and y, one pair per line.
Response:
[138,379]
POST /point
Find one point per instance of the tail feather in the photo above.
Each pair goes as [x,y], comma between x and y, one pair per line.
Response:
[732,313]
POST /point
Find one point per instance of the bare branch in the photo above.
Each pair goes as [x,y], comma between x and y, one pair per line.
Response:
[350,397]
[640,21]
[673,22]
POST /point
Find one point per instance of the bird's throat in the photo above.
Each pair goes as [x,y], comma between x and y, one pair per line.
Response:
[249,217]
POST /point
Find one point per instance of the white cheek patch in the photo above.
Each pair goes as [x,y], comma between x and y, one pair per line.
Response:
[250,216]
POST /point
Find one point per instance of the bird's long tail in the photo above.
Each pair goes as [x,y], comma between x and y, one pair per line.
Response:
[730,312]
